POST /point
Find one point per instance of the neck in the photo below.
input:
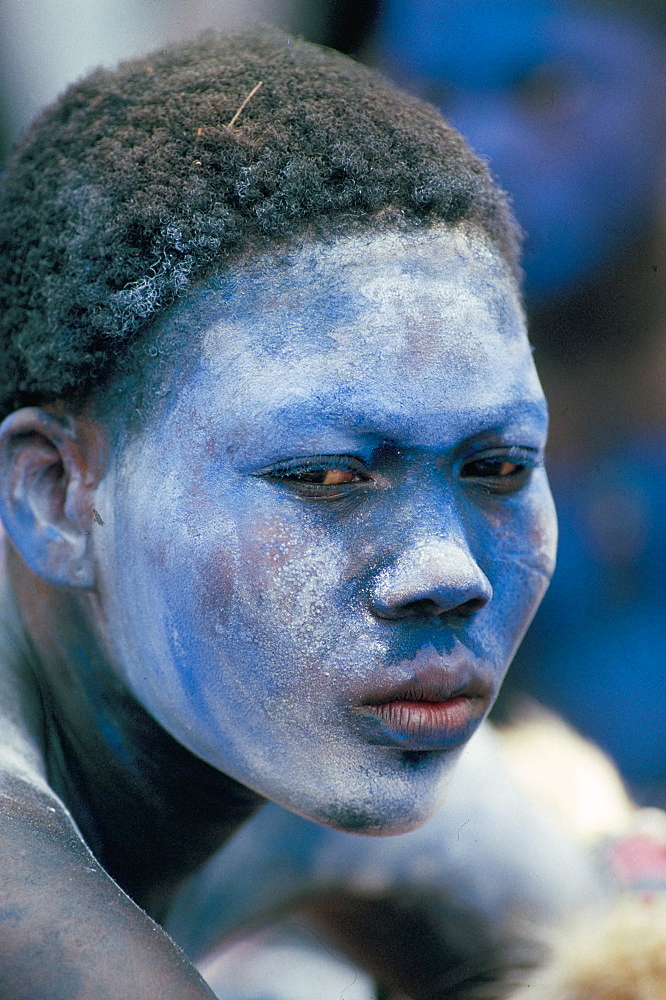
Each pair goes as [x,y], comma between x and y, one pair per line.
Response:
[149,809]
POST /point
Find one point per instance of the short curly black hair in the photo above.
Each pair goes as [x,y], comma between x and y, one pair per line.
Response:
[138,182]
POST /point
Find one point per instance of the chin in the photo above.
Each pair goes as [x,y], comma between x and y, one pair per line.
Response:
[386,805]
[376,823]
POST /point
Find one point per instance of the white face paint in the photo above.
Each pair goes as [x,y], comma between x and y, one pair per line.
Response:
[320,555]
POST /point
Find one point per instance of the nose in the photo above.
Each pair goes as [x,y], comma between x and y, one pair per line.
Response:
[436,579]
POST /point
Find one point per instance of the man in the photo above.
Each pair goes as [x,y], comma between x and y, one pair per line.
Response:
[272,481]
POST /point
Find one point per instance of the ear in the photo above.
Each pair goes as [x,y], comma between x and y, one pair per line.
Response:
[49,468]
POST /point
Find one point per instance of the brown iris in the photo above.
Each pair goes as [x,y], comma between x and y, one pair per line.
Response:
[334,477]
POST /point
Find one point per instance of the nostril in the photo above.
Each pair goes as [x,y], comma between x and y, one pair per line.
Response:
[428,609]
[469,608]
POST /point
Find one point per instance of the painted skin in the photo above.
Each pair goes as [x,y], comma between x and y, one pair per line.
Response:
[342,503]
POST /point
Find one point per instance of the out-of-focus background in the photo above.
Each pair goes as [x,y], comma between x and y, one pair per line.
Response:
[567,100]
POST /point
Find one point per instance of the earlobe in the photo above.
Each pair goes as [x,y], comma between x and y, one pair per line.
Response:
[48,470]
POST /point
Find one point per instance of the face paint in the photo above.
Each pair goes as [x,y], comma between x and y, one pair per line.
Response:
[320,555]
[567,104]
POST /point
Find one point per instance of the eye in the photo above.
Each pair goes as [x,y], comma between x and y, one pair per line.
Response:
[501,472]
[321,478]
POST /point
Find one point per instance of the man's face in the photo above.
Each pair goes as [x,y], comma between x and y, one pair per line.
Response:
[320,555]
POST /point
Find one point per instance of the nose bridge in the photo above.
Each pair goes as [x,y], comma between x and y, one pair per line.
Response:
[426,508]
[428,565]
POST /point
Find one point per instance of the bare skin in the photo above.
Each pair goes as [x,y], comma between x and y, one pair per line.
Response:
[67,929]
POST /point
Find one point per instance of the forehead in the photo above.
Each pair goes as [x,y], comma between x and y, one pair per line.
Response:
[321,290]
[378,329]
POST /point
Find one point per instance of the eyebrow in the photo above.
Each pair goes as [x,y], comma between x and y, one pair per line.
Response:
[332,415]
[336,411]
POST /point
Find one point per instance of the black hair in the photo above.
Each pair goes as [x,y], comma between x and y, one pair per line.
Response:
[140,181]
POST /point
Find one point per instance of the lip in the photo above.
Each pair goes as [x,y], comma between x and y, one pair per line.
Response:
[437,707]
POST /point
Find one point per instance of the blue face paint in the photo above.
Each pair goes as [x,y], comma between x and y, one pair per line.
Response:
[567,104]
[321,553]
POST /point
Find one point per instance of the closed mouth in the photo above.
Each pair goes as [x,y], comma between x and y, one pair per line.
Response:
[439,707]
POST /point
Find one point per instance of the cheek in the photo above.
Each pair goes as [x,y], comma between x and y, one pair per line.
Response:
[266,621]
[526,530]
[274,584]
[278,564]
[542,538]
[215,575]
[536,544]
[521,558]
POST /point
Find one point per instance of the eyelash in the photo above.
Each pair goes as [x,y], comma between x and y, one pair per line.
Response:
[523,460]
[289,474]
[294,475]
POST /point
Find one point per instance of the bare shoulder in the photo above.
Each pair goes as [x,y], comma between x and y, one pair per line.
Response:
[66,928]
